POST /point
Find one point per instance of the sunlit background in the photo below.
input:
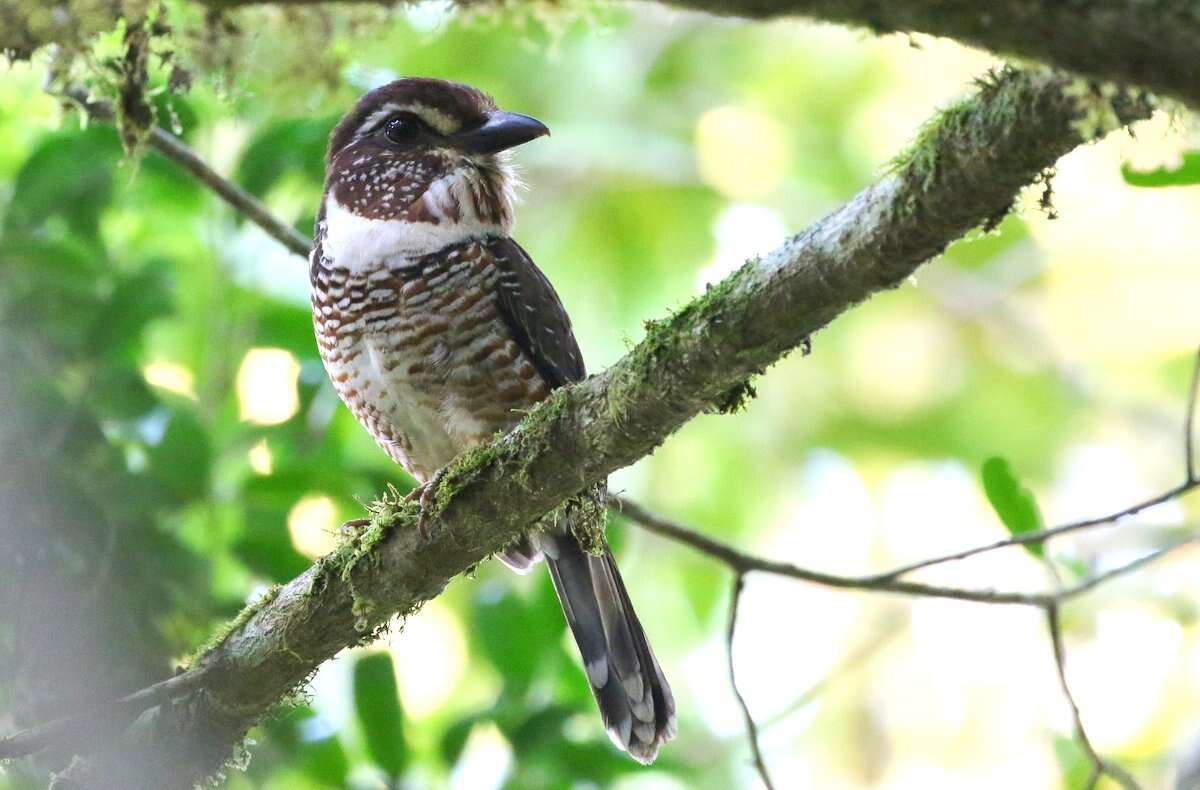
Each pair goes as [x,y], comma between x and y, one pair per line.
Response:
[681,146]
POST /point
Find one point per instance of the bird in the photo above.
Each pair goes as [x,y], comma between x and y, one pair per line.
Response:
[438,330]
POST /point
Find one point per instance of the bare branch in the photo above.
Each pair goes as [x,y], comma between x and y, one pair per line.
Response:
[1140,43]
[743,563]
[1100,766]
[739,583]
[1148,44]
[1189,424]
[1042,535]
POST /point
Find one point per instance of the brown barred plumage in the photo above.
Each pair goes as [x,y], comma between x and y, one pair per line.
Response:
[437,331]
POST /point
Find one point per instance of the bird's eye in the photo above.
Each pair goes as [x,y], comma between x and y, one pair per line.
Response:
[402,129]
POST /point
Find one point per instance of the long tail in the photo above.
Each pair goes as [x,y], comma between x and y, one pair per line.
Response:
[634,698]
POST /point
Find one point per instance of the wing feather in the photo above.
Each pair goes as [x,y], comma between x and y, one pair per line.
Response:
[536,316]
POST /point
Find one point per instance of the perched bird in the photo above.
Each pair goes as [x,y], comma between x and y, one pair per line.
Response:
[438,331]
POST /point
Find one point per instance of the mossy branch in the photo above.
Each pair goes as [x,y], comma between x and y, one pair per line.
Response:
[1150,43]
[962,173]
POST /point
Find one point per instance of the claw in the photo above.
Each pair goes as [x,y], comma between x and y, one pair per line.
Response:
[424,494]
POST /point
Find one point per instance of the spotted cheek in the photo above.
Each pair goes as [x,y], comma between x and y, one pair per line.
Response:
[374,183]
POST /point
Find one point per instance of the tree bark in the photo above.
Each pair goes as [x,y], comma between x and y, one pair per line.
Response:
[1152,44]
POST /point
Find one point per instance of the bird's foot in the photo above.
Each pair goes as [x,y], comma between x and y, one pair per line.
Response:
[424,494]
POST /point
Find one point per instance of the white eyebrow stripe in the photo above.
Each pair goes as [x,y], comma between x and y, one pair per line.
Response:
[438,120]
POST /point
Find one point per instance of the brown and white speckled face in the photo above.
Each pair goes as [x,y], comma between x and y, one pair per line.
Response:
[408,174]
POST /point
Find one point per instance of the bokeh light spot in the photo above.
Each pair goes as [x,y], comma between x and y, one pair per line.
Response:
[172,377]
[312,524]
[740,152]
[261,460]
[266,386]
[485,760]
[430,655]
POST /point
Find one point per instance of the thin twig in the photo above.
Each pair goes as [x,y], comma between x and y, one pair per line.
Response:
[1100,766]
[1049,602]
[1087,585]
[1042,535]
[71,728]
[1189,423]
[179,152]
[739,583]
[743,563]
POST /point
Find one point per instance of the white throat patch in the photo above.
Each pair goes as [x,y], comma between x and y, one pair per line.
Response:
[359,244]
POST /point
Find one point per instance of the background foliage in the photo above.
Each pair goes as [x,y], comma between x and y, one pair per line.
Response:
[169,445]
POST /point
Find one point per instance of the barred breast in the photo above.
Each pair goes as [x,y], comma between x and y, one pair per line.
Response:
[421,354]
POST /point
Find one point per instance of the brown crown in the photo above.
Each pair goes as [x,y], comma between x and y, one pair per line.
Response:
[469,105]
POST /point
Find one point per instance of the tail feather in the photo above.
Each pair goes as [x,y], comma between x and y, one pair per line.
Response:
[634,698]
[521,555]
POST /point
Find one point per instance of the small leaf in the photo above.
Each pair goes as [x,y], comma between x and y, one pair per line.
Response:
[136,300]
[1187,174]
[1013,503]
[454,737]
[119,392]
[325,761]
[182,458]
[518,634]
[378,704]
[265,546]
[290,146]
[68,175]
[542,726]
[1072,763]
[309,743]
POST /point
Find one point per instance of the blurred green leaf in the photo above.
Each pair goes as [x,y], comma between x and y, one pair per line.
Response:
[1072,763]
[136,300]
[569,764]
[1013,503]
[69,175]
[1187,174]
[70,265]
[284,147]
[542,726]
[517,634]
[306,740]
[980,249]
[182,458]
[377,701]
[454,737]
[286,326]
[265,545]
[119,392]
[324,759]
[174,113]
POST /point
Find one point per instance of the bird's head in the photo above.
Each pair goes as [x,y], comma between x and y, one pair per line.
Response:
[429,159]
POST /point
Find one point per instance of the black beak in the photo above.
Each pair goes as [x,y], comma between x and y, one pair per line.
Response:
[501,131]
